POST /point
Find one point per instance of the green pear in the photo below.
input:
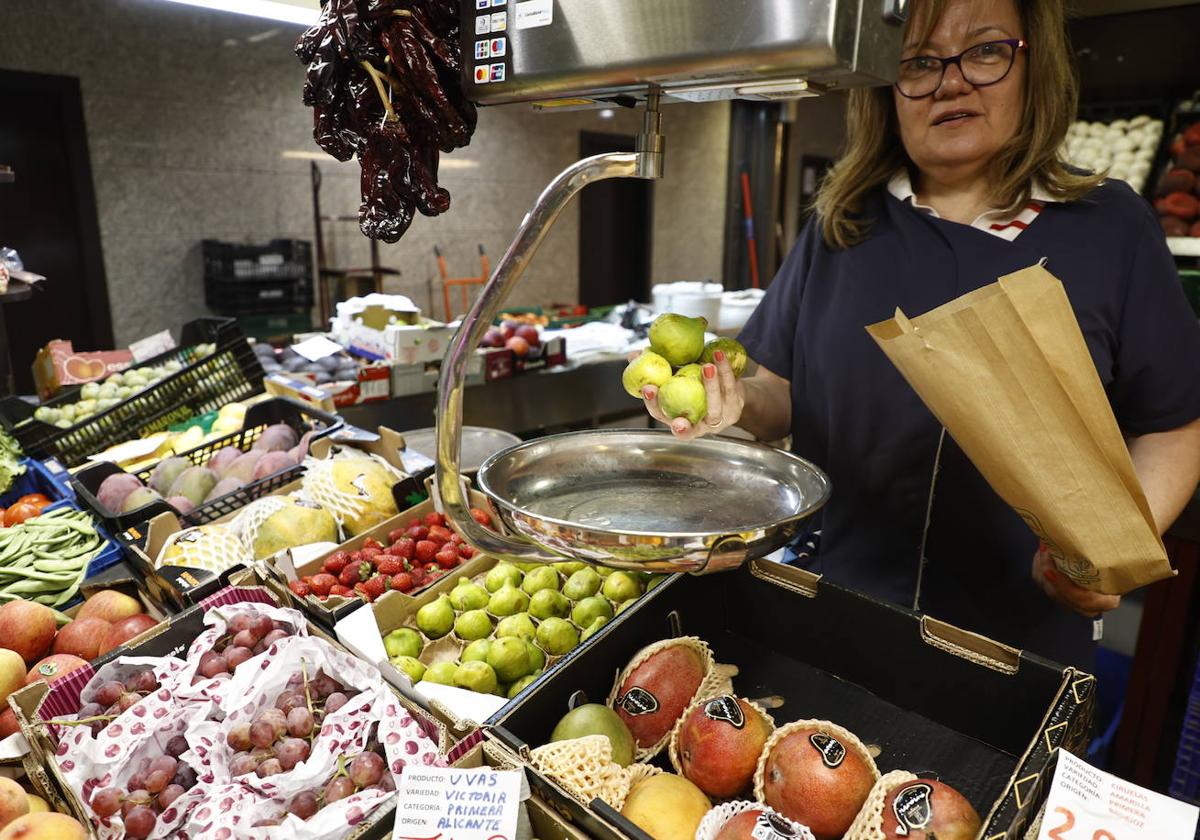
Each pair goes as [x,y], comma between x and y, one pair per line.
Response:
[539,579]
[621,586]
[655,582]
[693,370]
[537,657]
[473,625]
[410,665]
[520,685]
[557,636]
[581,584]
[477,651]
[402,642]
[476,676]
[509,658]
[547,603]
[589,609]
[592,629]
[501,574]
[568,569]
[678,338]
[468,596]
[441,673]
[683,396]
[508,600]
[734,352]
[436,618]
[520,625]
[649,368]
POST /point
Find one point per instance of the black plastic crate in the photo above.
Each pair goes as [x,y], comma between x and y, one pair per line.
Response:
[256,279]
[300,417]
[231,372]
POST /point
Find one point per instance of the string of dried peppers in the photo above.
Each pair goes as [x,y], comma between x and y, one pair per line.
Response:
[384,83]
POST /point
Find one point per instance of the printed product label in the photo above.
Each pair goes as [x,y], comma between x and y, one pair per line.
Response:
[726,708]
[534,13]
[831,749]
[638,701]
[913,808]
[771,827]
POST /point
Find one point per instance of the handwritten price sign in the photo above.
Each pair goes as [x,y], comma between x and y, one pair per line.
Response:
[1089,804]
[450,804]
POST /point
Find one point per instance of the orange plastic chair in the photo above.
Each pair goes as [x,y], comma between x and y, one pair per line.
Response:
[460,283]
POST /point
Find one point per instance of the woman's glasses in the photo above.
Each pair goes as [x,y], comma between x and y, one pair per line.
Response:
[981,65]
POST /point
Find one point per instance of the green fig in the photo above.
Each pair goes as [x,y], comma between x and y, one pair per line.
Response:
[678,338]
[526,568]
[436,618]
[683,396]
[537,657]
[402,642]
[468,596]
[589,609]
[508,600]
[592,629]
[649,368]
[441,673]
[547,603]
[500,575]
[520,685]
[473,625]
[410,665]
[621,586]
[734,352]
[520,625]
[624,605]
[656,581]
[557,636]
[509,658]
[693,370]
[568,569]
[539,579]
[476,676]
[581,584]
[477,651]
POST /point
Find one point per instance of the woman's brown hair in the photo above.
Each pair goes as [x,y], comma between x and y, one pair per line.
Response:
[872,156]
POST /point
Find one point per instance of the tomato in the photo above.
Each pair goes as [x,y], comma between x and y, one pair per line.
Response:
[19,512]
[38,499]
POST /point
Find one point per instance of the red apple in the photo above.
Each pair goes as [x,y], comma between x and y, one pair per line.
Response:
[81,638]
[518,345]
[8,723]
[54,667]
[121,632]
[110,605]
[530,333]
[27,628]
[492,338]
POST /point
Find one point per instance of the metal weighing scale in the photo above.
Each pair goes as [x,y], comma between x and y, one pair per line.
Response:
[642,499]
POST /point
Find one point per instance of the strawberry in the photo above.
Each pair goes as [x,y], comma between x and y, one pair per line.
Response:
[402,582]
[354,573]
[481,517]
[413,523]
[370,554]
[323,584]
[395,535]
[389,565]
[335,562]
[343,591]
[404,547]
[435,518]
[418,532]
[447,558]
[432,570]
[425,550]
[439,534]
[417,573]
[370,542]
[299,588]
[456,538]
[360,589]
[466,552]
[375,587]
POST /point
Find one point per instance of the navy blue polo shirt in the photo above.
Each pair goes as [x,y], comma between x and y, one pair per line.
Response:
[855,416]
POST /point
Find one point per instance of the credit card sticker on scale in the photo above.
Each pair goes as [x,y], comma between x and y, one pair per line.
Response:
[490,46]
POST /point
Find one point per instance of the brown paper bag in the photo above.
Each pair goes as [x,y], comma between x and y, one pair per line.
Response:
[1006,371]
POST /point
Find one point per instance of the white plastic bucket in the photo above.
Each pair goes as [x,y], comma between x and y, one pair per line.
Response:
[737,307]
[695,300]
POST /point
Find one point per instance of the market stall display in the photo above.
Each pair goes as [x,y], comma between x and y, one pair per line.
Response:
[1124,149]
[1177,198]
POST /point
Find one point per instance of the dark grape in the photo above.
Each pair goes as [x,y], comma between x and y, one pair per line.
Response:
[304,805]
[262,625]
[335,701]
[242,763]
[157,781]
[170,794]
[136,782]
[106,802]
[128,700]
[90,710]
[387,783]
[291,752]
[238,737]
[339,788]
[270,767]
[109,693]
[144,682]
[134,799]
[140,822]
[246,639]
[273,637]
[177,746]
[366,769]
[300,722]
[276,718]
[165,764]
[213,663]
[185,777]
[322,686]
[262,734]
[240,622]
[296,681]
[235,656]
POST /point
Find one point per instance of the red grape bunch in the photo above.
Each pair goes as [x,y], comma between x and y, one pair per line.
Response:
[279,738]
[416,555]
[114,697]
[149,792]
[367,770]
[248,634]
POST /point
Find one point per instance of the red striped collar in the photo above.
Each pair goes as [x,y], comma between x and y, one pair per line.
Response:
[1006,223]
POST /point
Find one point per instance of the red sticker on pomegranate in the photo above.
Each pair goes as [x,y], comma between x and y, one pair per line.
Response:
[638,701]
[913,808]
[726,708]
[831,749]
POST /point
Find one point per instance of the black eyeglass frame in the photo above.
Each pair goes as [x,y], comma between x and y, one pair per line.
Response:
[1017,45]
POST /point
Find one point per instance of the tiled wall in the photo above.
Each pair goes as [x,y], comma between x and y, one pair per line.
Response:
[189,114]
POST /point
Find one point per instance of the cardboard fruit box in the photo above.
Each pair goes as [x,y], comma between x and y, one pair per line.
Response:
[983,716]
[461,710]
[171,639]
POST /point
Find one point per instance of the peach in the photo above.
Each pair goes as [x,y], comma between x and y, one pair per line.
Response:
[27,628]
[110,605]
[81,638]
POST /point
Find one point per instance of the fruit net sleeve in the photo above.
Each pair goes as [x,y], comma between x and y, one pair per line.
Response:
[716,819]
[585,769]
[868,825]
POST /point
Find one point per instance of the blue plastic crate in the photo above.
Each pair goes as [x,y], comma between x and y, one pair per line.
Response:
[1185,781]
[49,479]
